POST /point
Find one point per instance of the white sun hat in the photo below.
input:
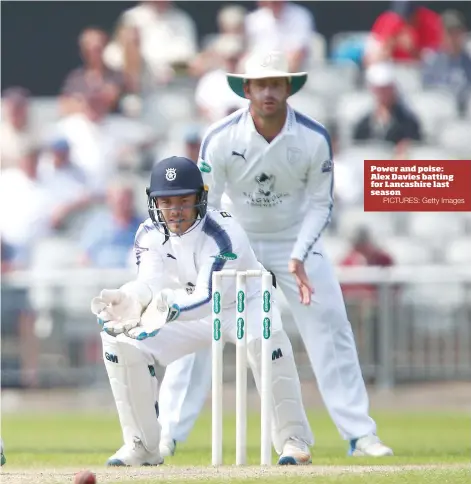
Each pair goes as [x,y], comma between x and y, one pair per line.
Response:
[380,74]
[266,65]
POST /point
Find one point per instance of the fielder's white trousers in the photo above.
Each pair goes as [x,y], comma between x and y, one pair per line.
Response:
[327,336]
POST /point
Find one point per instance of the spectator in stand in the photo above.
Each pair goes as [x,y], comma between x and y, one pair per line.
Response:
[231,24]
[122,54]
[65,182]
[391,120]
[101,144]
[92,75]
[7,254]
[15,129]
[192,142]
[348,173]
[450,67]
[19,342]
[365,252]
[108,237]
[404,34]
[214,98]
[231,21]
[281,25]
[362,299]
[25,205]
[168,37]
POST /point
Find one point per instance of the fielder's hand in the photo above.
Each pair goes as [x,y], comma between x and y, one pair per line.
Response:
[116,311]
[296,267]
[160,311]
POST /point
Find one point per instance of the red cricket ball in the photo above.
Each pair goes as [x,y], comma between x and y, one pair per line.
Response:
[85,477]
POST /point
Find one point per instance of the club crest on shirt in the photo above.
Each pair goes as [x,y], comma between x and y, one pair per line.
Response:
[265,194]
[327,166]
[190,288]
[294,155]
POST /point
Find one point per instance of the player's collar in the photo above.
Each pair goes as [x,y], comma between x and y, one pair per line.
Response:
[289,127]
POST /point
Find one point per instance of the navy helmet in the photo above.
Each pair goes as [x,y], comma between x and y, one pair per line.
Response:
[173,177]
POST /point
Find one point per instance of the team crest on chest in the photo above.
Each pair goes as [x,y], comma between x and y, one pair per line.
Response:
[294,155]
[170,174]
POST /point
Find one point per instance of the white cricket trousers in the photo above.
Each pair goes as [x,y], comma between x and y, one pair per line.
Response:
[327,336]
[179,338]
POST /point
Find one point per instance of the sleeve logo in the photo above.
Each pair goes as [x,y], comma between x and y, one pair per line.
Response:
[327,166]
[226,256]
[204,167]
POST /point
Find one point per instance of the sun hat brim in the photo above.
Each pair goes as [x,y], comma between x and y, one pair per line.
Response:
[236,81]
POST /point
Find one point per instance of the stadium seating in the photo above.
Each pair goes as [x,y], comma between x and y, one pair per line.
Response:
[436,227]
[381,224]
[434,109]
[408,78]
[458,251]
[408,251]
[349,109]
[454,137]
[330,80]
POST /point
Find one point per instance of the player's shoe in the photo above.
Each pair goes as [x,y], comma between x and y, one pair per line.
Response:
[2,458]
[135,456]
[295,452]
[167,448]
[370,445]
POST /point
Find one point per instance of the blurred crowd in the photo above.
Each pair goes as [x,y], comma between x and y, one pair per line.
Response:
[74,167]
[395,91]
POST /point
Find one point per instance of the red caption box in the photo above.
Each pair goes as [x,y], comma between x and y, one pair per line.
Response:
[417,186]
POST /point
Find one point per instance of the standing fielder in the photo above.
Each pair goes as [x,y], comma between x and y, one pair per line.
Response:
[275,167]
[166,313]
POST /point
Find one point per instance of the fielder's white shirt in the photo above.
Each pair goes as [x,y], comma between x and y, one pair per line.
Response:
[282,189]
[186,264]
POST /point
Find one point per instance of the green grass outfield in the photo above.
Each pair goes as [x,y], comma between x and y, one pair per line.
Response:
[50,448]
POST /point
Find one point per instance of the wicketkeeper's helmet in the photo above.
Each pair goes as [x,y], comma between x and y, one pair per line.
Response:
[173,177]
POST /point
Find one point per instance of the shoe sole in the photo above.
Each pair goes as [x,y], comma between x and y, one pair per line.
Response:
[120,463]
[289,460]
[359,453]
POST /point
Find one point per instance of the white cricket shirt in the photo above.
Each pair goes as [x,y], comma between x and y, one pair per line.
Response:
[186,263]
[282,189]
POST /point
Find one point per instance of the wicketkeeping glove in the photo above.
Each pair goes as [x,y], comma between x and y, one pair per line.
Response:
[119,312]
[116,311]
[160,311]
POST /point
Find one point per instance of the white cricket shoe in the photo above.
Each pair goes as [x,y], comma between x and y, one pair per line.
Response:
[167,447]
[295,452]
[138,455]
[370,445]
[2,457]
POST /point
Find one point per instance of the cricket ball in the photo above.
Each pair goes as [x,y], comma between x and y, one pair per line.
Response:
[85,477]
